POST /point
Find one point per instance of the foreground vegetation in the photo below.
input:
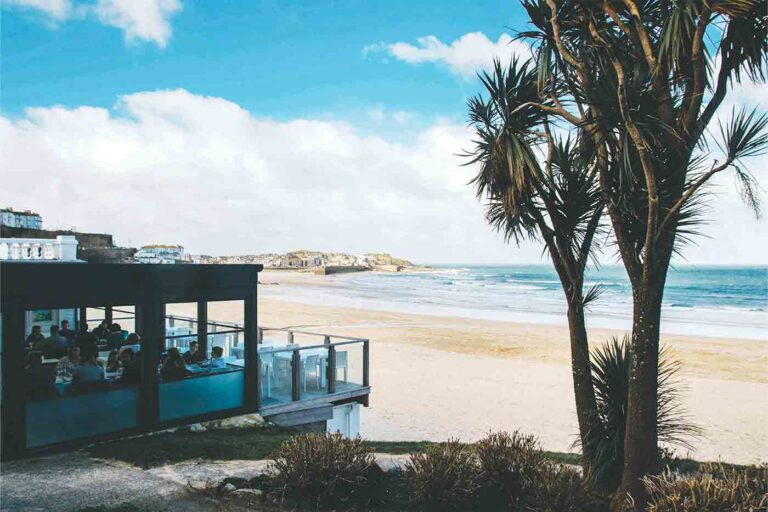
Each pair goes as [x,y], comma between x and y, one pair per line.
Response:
[503,471]
[238,444]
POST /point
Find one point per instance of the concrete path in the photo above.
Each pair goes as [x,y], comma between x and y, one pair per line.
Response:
[72,481]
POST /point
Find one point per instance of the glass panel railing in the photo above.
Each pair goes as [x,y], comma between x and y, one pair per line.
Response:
[313,372]
[276,375]
[348,371]
[78,415]
[202,391]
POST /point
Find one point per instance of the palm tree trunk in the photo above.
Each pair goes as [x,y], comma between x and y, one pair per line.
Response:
[641,455]
[583,388]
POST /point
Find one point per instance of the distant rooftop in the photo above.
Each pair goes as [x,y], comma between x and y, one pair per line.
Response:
[17,212]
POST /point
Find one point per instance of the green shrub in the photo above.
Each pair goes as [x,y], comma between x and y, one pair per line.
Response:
[515,475]
[510,466]
[325,469]
[561,489]
[443,477]
[713,489]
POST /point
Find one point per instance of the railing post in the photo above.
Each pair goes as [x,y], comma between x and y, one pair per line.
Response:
[296,376]
[108,314]
[171,321]
[327,340]
[250,353]
[260,336]
[366,363]
[290,337]
[331,371]
[202,327]
[82,318]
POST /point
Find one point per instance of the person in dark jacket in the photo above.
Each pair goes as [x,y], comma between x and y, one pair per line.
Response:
[174,366]
[35,338]
[67,332]
[131,367]
[39,378]
[193,355]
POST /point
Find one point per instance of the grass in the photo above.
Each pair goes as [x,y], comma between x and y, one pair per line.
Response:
[234,444]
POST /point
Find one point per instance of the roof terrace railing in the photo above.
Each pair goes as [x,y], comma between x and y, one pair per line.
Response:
[328,357]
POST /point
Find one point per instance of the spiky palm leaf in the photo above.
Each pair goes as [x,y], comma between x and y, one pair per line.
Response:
[610,373]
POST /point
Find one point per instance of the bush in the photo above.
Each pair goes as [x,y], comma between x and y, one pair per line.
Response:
[510,466]
[326,469]
[713,489]
[443,477]
[561,489]
[515,475]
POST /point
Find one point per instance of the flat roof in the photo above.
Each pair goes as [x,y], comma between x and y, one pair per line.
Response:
[64,285]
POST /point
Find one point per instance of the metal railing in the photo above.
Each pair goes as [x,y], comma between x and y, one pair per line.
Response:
[332,355]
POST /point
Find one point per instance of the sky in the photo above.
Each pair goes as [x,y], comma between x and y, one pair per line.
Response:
[242,127]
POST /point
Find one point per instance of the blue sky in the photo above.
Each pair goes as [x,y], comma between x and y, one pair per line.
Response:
[278,59]
[241,127]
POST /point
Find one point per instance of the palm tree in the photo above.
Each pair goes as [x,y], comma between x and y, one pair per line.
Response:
[634,79]
[543,188]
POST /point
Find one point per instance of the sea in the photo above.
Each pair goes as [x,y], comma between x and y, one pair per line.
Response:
[727,302]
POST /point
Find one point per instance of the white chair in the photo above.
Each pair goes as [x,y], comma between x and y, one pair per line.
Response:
[342,361]
[310,365]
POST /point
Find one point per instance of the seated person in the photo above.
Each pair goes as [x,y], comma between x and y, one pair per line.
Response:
[217,359]
[85,338]
[174,366]
[67,364]
[130,365]
[89,373]
[67,332]
[101,331]
[113,363]
[55,345]
[193,355]
[35,338]
[116,336]
[132,339]
[39,378]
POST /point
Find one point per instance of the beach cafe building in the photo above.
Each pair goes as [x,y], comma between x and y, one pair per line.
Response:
[290,377]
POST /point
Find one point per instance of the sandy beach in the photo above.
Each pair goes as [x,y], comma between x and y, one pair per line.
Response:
[435,377]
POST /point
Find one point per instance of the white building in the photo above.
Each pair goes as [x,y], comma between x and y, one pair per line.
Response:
[160,254]
[26,219]
[61,248]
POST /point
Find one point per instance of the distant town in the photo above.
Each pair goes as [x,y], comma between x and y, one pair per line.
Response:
[23,237]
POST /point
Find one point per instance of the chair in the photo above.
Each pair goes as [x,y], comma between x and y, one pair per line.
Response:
[310,364]
[341,362]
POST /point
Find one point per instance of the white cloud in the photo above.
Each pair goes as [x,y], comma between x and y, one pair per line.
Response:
[139,20]
[464,56]
[171,166]
[56,10]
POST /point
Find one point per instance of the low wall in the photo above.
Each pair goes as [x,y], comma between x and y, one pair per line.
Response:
[341,269]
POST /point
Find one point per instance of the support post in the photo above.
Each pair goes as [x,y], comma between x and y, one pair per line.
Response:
[290,337]
[152,329]
[366,363]
[260,336]
[202,327]
[108,314]
[296,376]
[82,318]
[252,397]
[13,413]
[327,340]
[331,371]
